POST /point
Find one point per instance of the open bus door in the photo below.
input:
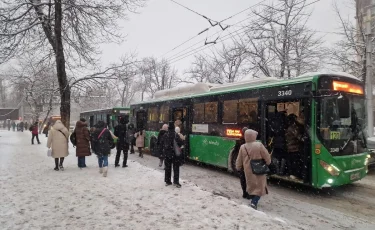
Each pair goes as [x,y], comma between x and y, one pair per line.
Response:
[180,115]
[276,127]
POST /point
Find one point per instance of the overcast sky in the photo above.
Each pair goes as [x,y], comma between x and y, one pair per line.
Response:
[162,25]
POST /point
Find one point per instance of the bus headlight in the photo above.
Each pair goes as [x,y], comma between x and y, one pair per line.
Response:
[331,169]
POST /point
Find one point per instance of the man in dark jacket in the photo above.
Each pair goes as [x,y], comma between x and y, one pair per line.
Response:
[101,144]
[294,139]
[22,126]
[122,142]
[170,155]
[82,142]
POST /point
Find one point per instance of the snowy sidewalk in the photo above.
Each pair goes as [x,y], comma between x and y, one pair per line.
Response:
[33,196]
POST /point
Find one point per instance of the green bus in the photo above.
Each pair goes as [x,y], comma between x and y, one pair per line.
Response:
[331,107]
[111,116]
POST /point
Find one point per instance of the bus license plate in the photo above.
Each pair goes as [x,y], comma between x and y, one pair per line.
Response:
[355,176]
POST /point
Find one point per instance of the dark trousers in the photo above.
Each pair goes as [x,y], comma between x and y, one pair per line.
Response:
[81,162]
[295,164]
[168,170]
[37,138]
[243,181]
[57,162]
[118,154]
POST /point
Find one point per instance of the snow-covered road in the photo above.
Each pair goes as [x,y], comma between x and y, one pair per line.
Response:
[33,196]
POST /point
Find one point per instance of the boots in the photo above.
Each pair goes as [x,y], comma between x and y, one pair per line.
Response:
[105,171]
[161,163]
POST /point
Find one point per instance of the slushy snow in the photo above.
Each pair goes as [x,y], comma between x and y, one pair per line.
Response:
[34,196]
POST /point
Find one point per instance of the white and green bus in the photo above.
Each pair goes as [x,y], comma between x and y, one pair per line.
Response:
[332,106]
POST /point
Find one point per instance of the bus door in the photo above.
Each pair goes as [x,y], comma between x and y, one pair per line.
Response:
[91,121]
[276,127]
[181,118]
[141,119]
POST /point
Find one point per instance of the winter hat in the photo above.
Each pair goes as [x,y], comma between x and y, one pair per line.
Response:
[244,130]
[251,135]
[100,124]
[165,127]
[171,125]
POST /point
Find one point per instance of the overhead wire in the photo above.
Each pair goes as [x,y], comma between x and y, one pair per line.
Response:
[177,57]
[208,28]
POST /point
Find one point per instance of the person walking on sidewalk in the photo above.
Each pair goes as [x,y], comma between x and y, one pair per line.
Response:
[82,142]
[140,141]
[131,130]
[171,144]
[122,143]
[159,144]
[256,185]
[34,133]
[58,141]
[102,141]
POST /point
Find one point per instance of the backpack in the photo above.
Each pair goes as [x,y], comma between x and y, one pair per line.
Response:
[31,128]
[73,138]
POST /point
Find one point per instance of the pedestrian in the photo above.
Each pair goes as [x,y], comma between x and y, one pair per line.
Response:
[58,141]
[122,143]
[46,129]
[101,143]
[131,137]
[82,142]
[34,133]
[159,145]
[241,173]
[14,126]
[26,125]
[18,127]
[182,137]
[172,157]
[279,153]
[22,126]
[294,140]
[256,185]
[140,141]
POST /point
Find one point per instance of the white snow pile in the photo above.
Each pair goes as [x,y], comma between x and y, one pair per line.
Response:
[33,196]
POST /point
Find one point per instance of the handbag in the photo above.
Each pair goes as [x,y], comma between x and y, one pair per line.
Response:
[258,167]
[49,152]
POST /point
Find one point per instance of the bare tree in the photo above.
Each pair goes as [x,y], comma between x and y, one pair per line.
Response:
[349,53]
[201,70]
[158,75]
[72,29]
[278,41]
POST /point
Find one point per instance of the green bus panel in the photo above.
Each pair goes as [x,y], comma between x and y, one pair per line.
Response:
[148,136]
[210,150]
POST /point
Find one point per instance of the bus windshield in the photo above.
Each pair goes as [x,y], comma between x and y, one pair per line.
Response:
[343,124]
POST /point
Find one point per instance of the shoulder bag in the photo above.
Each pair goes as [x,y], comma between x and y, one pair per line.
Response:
[258,167]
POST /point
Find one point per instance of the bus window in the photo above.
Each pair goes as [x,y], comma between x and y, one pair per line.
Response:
[230,111]
[153,114]
[210,112]
[198,113]
[164,114]
[248,111]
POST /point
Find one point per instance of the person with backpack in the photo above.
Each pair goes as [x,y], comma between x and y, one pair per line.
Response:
[34,132]
[122,143]
[81,139]
[172,151]
[58,141]
[101,143]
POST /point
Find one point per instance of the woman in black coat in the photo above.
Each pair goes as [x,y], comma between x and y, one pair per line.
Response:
[159,144]
[171,158]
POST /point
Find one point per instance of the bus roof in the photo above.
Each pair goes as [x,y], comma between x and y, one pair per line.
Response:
[238,86]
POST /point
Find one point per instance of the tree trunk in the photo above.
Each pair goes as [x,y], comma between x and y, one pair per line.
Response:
[60,68]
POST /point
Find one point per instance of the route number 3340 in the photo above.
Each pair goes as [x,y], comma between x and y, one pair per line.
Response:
[284,93]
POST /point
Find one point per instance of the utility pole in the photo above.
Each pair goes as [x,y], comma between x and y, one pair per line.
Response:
[369,88]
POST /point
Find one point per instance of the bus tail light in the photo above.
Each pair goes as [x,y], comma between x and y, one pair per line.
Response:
[331,169]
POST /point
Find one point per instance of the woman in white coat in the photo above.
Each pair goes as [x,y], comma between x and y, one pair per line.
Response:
[58,141]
